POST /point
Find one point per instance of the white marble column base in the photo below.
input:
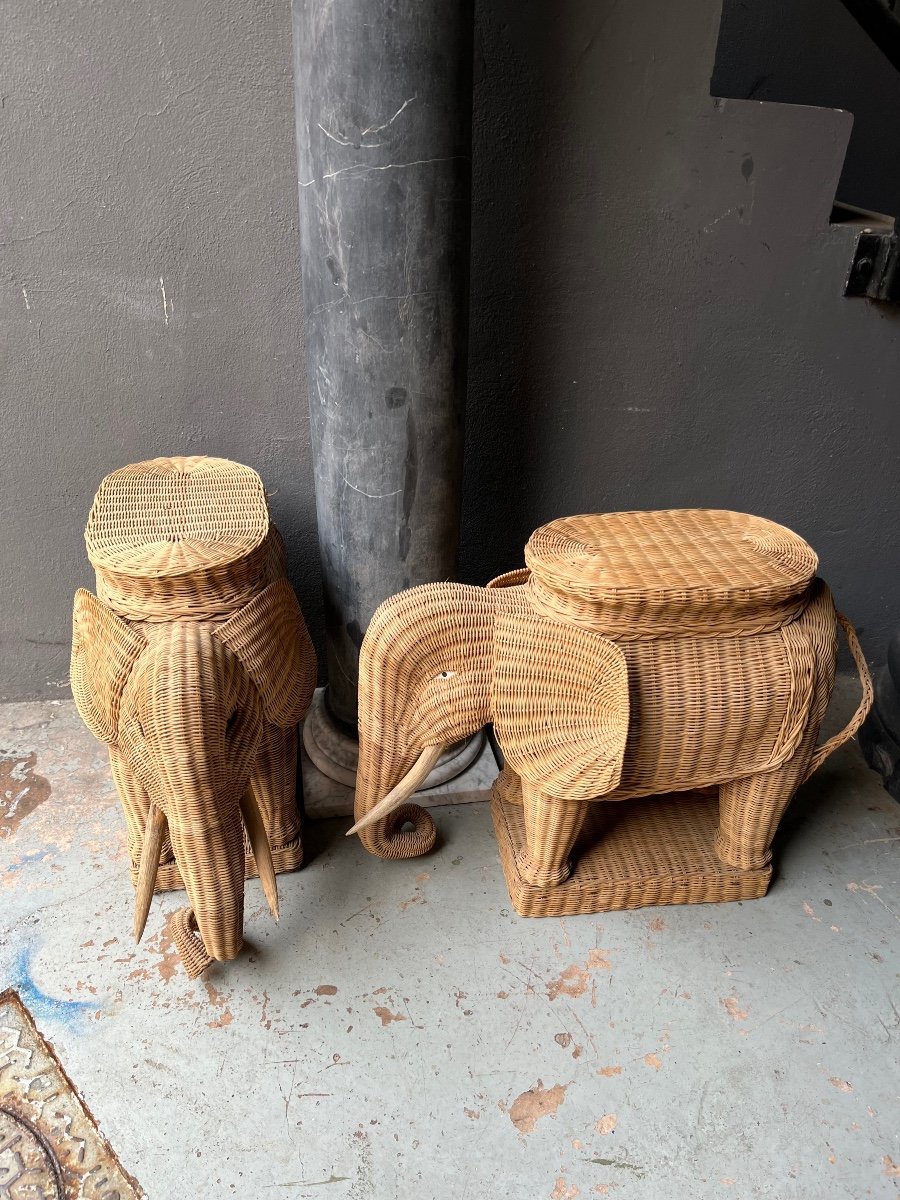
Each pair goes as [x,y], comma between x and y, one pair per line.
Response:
[323,797]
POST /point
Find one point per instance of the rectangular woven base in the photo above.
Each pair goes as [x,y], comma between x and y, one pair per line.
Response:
[629,854]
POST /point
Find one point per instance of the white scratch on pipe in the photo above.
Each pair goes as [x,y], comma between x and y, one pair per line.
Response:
[634,408]
[366,299]
[364,167]
[25,298]
[168,305]
[369,495]
[342,141]
[378,128]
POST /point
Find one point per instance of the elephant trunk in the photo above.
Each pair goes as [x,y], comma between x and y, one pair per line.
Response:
[425,678]
[199,729]
[223,938]
[210,855]
[400,793]
[382,771]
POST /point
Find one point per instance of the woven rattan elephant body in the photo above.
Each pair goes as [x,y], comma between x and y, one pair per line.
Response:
[201,722]
[581,717]
[194,664]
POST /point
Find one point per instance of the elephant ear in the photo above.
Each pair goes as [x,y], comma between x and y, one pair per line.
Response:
[104,649]
[560,705]
[270,638]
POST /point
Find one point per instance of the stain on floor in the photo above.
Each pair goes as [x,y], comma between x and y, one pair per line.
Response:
[277,1076]
[534,1103]
[22,790]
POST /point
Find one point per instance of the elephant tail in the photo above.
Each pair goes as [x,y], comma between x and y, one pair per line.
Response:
[862,709]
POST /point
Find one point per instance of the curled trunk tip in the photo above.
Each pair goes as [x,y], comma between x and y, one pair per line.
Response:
[400,793]
[388,838]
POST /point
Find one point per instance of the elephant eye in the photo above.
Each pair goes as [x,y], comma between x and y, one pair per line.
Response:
[446,675]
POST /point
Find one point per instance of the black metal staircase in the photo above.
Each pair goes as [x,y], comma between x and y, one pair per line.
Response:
[881,21]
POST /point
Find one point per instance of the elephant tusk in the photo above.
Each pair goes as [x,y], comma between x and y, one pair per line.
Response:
[259,844]
[411,782]
[154,835]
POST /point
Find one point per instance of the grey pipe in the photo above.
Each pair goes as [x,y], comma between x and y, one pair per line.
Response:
[383,105]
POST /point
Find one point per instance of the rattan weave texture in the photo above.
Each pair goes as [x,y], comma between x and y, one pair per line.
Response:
[181,537]
[194,664]
[630,855]
[637,655]
[636,575]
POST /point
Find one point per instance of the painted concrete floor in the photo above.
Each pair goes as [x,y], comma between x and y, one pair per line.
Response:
[402,1033]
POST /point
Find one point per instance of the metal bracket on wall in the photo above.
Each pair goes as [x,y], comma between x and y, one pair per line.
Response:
[875,270]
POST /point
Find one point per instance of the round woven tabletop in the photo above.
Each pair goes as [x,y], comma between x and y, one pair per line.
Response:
[174,516]
[642,567]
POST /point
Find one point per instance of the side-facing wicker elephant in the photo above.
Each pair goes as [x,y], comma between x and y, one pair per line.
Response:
[200,718]
[580,717]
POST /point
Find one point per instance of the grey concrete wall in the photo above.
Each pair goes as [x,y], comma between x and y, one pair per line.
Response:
[657,309]
[149,281]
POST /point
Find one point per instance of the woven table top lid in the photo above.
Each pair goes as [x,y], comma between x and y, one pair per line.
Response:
[174,516]
[610,569]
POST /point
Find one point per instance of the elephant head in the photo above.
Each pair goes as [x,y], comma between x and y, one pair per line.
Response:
[440,661]
[183,703]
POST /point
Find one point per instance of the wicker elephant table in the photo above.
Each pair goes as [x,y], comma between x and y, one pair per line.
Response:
[194,664]
[656,681]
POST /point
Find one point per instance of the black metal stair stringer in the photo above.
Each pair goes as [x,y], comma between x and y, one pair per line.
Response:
[881,21]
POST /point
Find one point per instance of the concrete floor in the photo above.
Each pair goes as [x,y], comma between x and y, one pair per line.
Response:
[402,1033]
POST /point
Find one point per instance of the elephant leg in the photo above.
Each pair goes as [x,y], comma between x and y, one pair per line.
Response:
[751,808]
[273,781]
[551,827]
[508,786]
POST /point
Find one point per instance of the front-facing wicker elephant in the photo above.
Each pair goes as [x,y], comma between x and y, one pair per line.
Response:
[670,701]
[201,721]
[194,664]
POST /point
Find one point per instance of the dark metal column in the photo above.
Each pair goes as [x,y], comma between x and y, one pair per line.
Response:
[383,106]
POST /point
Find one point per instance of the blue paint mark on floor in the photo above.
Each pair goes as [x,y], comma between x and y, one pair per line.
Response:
[37,1001]
[33,857]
